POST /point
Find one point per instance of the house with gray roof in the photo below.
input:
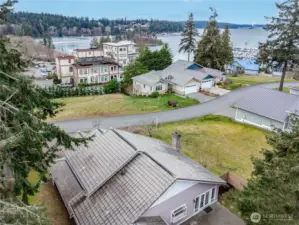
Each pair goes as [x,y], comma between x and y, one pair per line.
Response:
[181,77]
[121,178]
[267,108]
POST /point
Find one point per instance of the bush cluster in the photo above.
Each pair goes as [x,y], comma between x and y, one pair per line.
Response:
[58,92]
[154,94]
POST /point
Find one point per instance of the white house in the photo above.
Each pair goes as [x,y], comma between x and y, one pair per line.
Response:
[181,77]
[123,52]
[64,68]
[125,179]
[89,52]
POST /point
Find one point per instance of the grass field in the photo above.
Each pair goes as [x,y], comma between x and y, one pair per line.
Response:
[49,197]
[114,105]
[218,143]
[252,80]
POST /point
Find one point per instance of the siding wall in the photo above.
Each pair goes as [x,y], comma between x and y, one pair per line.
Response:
[294,91]
[257,120]
[251,72]
[185,197]
[144,89]
[178,89]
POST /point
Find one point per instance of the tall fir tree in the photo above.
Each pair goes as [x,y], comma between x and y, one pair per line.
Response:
[94,43]
[284,36]
[226,48]
[188,41]
[208,51]
[273,188]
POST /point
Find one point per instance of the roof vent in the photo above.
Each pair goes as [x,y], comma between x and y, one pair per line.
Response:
[123,172]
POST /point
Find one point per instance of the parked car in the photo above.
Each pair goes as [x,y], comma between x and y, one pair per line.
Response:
[63,85]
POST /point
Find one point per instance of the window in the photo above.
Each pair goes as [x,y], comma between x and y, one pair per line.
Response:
[105,69]
[70,60]
[202,197]
[92,79]
[95,71]
[97,79]
[102,78]
[213,195]
[85,71]
[89,53]
[144,86]
[207,198]
[71,69]
[106,78]
[159,87]
[81,71]
[178,214]
[112,68]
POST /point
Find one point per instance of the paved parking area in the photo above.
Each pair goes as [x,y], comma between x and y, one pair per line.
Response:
[219,216]
[200,97]
[218,91]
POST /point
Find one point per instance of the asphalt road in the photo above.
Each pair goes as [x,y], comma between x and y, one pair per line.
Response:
[220,105]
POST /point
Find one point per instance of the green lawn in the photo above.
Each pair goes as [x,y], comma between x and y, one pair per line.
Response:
[49,197]
[114,105]
[252,80]
[217,143]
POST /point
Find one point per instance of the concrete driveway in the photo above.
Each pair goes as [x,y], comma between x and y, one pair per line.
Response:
[219,216]
[220,105]
[200,97]
[218,91]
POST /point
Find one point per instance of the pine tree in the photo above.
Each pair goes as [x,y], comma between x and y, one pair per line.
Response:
[94,43]
[284,36]
[273,188]
[208,51]
[49,42]
[188,41]
[226,47]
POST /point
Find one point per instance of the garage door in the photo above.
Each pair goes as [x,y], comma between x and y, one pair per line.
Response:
[206,84]
[191,89]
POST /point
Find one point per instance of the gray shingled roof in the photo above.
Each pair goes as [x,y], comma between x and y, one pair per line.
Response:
[66,182]
[179,165]
[94,164]
[268,103]
[123,199]
[119,176]
[179,72]
[150,78]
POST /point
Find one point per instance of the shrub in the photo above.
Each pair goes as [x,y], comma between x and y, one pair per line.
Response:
[112,87]
[154,94]
[227,82]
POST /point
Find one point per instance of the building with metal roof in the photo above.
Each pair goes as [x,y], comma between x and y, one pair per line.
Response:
[121,178]
[247,66]
[267,108]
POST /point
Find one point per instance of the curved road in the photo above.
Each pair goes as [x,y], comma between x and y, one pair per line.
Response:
[220,105]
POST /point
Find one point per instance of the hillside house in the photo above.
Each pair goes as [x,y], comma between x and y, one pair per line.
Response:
[181,77]
[124,179]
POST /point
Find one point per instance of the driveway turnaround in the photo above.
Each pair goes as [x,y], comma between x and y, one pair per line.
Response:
[220,105]
[200,97]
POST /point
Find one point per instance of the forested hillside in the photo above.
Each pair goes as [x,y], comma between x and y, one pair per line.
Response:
[38,24]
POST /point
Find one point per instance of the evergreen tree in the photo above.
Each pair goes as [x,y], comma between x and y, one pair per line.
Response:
[208,51]
[164,58]
[226,47]
[94,43]
[273,188]
[284,36]
[188,41]
[155,60]
[49,43]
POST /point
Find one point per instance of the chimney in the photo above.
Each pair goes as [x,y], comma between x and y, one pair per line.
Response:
[176,141]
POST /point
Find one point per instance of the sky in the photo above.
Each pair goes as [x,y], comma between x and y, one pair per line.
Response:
[232,11]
